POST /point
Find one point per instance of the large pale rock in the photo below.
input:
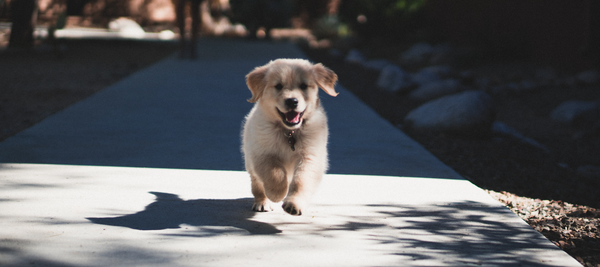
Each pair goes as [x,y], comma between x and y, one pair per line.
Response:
[166,35]
[418,53]
[436,89]
[126,28]
[426,54]
[393,79]
[468,113]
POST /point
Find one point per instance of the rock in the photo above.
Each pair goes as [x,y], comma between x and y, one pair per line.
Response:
[126,28]
[354,56]
[436,89]
[424,76]
[469,113]
[588,120]
[588,77]
[377,64]
[166,35]
[500,128]
[426,54]
[393,79]
[440,70]
[417,54]
[526,85]
[568,111]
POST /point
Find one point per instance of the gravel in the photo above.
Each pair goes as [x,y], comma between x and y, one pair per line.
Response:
[573,228]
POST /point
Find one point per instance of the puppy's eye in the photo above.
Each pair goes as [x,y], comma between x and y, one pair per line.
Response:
[303,86]
[279,86]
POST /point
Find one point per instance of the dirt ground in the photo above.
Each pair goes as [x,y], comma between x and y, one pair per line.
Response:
[36,84]
[544,188]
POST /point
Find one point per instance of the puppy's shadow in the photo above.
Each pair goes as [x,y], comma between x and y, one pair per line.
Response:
[214,216]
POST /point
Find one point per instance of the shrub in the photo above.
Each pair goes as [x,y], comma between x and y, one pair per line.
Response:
[386,19]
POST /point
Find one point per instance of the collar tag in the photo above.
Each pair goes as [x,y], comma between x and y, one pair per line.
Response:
[291,140]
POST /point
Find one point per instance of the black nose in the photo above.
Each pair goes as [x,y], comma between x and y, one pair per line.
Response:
[291,103]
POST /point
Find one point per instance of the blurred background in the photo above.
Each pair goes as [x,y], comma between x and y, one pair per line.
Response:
[565,33]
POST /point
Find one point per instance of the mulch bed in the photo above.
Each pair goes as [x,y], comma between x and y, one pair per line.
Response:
[574,228]
[502,165]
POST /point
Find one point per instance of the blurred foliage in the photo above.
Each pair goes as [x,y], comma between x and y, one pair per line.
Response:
[386,19]
[262,13]
[329,26]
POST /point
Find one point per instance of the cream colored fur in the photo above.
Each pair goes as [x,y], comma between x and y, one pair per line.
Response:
[278,172]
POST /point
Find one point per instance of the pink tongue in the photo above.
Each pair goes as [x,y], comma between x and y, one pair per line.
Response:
[293,117]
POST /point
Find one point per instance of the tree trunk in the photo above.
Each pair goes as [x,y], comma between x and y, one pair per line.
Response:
[23,16]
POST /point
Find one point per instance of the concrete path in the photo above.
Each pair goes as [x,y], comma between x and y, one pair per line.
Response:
[148,173]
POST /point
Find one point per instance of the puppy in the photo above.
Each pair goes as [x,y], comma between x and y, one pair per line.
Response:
[284,138]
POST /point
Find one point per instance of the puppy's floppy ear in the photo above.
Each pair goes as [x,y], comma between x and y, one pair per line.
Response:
[325,78]
[256,82]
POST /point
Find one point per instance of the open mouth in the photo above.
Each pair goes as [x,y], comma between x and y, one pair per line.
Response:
[291,118]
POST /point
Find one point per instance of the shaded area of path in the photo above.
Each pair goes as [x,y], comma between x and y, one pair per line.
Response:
[188,114]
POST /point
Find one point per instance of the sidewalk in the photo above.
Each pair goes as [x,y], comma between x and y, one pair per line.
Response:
[148,172]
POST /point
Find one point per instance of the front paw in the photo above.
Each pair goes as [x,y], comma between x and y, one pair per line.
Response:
[263,206]
[292,208]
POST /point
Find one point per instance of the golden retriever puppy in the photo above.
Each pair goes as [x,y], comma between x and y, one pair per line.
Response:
[284,138]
